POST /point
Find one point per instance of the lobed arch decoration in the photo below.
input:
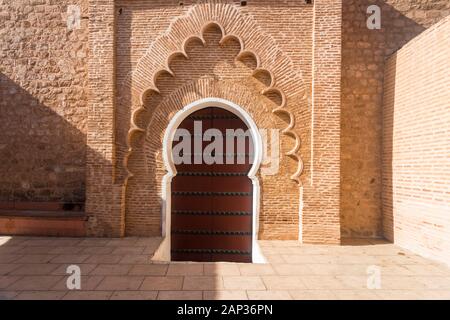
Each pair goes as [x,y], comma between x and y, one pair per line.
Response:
[284,81]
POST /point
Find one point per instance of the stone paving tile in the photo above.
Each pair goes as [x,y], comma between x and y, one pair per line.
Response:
[104,258]
[93,242]
[181,269]
[149,242]
[86,283]
[35,257]
[356,294]
[66,242]
[12,240]
[85,268]
[111,269]
[352,282]
[400,294]
[416,259]
[434,282]
[223,269]
[134,295]
[301,259]
[286,269]
[150,250]
[70,258]
[396,270]
[97,250]
[136,259]
[14,258]
[274,258]
[266,243]
[338,269]
[283,282]
[122,242]
[243,283]
[256,269]
[268,295]
[322,282]
[8,295]
[225,295]
[313,295]
[435,295]
[162,283]
[32,283]
[40,295]
[180,295]
[87,295]
[149,269]
[128,250]
[381,250]
[6,268]
[38,242]
[426,270]
[10,249]
[65,250]
[35,269]
[33,250]
[7,280]
[202,283]
[397,260]
[401,283]
[120,283]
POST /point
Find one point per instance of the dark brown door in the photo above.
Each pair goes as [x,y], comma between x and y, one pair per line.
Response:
[212,203]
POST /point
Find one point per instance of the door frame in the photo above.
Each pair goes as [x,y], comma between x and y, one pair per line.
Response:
[163,252]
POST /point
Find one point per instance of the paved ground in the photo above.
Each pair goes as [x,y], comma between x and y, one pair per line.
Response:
[35,268]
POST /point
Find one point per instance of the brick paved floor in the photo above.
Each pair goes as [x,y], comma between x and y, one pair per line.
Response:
[35,268]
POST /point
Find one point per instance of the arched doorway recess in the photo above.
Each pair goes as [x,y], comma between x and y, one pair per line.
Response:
[181,201]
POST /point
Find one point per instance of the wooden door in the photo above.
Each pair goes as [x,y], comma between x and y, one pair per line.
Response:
[212,203]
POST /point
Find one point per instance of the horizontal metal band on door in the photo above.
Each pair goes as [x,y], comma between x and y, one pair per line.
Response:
[209,193]
[213,232]
[212,174]
[212,213]
[220,251]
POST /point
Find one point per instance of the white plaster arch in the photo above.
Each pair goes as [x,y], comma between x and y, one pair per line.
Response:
[163,252]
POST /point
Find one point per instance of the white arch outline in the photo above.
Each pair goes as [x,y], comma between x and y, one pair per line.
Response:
[163,252]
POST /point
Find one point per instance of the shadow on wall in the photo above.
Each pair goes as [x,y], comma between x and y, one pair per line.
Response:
[363,56]
[43,156]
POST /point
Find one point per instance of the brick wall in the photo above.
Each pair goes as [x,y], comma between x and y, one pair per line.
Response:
[363,54]
[321,196]
[43,101]
[102,195]
[416,145]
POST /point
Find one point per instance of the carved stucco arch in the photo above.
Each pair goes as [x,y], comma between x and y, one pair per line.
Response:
[285,81]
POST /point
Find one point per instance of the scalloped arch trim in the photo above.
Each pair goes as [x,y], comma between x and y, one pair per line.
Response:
[284,80]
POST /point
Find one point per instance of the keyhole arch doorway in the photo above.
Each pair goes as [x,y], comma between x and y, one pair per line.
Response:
[164,251]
